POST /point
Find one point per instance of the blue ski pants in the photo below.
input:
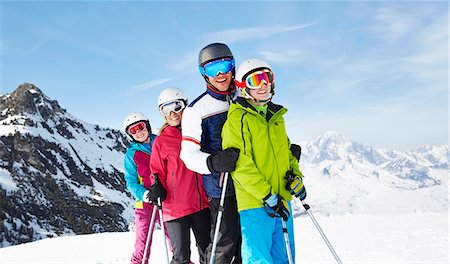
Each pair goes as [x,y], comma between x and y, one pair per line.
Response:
[263,239]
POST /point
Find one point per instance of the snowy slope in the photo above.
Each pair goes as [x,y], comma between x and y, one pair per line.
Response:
[420,238]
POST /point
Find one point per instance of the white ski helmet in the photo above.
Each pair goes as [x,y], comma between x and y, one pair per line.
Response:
[133,118]
[245,68]
[171,94]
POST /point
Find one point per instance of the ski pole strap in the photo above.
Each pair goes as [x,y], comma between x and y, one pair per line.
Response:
[159,203]
[271,214]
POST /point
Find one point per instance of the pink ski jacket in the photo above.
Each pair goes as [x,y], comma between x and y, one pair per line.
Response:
[185,193]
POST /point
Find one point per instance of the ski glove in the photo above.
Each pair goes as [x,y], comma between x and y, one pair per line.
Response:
[275,206]
[223,161]
[296,151]
[295,185]
[156,191]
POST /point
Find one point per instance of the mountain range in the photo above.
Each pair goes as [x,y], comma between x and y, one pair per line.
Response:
[62,176]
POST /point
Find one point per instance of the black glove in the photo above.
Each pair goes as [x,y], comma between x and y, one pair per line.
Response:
[156,191]
[295,185]
[275,206]
[296,151]
[223,161]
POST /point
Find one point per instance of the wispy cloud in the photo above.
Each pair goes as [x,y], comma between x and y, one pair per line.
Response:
[251,33]
[395,26]
[13,48]
[286,56]
[394,22]
[136,89]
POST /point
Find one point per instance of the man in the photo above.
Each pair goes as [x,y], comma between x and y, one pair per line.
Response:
[201,148]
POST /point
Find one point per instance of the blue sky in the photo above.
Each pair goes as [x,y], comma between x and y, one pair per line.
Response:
[375,71]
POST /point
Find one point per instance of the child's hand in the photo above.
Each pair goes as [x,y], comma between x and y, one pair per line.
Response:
[156,191]
[275,206]
[295,185]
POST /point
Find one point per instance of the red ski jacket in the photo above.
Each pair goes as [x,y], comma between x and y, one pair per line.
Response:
[185,193]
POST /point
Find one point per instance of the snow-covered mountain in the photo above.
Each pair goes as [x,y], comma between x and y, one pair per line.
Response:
[344,176]
[60,175]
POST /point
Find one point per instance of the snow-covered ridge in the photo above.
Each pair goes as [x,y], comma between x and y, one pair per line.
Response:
[59,174]
[346,176]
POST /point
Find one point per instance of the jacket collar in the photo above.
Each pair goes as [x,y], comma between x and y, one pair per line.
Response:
[272,108]
[222,96]
[171,131]
[143,147]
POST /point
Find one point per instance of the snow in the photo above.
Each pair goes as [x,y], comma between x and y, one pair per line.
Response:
[6,181]
[357,238]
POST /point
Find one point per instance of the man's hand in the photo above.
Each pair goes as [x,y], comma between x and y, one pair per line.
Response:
[223,161]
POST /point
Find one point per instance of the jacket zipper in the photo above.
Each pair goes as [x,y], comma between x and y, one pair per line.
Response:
[198,191]
[173,184]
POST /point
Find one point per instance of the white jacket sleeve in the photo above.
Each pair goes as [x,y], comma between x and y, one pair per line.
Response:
[190,154]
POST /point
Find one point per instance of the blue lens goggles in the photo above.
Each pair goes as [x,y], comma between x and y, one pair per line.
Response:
[212,69]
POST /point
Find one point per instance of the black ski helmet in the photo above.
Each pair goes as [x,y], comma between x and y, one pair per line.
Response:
[215,51]
[212,52]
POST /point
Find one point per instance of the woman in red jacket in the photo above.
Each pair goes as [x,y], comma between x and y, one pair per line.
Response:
[186,205]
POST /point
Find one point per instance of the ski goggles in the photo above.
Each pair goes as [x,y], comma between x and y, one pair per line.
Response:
[257,79]
[135,128]
[212,69]
[172,106]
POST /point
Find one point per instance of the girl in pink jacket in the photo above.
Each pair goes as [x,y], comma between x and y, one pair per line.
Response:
[137,177]
[186,204]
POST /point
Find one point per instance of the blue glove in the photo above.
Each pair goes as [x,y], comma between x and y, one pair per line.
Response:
[295,185]
[275,206]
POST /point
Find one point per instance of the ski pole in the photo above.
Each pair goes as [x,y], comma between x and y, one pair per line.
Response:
[219,218]
[163,228]
[306,206]
[149,234]
[286,239]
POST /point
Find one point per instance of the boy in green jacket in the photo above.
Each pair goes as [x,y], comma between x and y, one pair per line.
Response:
[267,173]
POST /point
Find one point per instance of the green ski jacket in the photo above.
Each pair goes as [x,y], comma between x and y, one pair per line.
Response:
[264,156]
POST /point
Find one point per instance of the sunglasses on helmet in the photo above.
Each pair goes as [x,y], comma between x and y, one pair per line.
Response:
[257,79]
[212,69]
[135,128]
[172,106]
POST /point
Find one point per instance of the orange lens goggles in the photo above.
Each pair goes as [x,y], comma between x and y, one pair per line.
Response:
[137,128]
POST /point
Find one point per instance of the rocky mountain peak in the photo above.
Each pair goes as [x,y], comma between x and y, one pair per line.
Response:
[28,98]
[62,175]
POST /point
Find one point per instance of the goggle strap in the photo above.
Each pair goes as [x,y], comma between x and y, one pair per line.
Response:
[240,84]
